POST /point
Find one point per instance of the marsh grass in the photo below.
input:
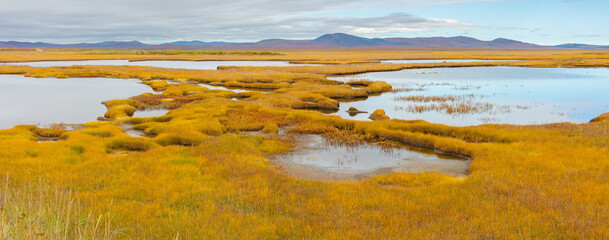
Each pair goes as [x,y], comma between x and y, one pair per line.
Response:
[53,131]
[41,211]
[176,52]
[197,176]
[445,98]
[378,114]
[129,144]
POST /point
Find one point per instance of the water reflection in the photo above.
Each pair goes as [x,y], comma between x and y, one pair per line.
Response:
[150,113]
[314,156]
[197,65]
[34,101]
[510,95]
[440,61]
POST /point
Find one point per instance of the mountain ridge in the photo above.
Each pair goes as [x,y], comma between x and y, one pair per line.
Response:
[326,40]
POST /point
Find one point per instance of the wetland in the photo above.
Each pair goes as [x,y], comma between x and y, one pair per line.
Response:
[244,151]
[480,95]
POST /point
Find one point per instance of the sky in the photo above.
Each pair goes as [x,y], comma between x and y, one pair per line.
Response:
[546,22]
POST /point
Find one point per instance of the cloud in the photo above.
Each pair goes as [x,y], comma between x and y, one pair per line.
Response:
[588,36]
[160,20]
[393,23]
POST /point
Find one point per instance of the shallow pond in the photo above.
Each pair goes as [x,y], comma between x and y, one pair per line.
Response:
[315,159]
[199,65]
[44,101]
[440,61]
[211,87]
[478,95]
[150,113]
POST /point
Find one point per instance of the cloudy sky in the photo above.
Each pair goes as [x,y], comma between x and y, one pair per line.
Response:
[157,21]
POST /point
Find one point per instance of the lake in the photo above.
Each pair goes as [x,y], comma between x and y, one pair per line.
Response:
[440,61]
[206,65]
[44,101]
[198,65]
[479,95]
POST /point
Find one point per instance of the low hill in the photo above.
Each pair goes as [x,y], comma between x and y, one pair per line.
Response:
[326,40]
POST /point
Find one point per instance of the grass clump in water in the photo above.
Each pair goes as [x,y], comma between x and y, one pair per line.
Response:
[378,114]
[129,144]
[270,128]
[54,131]
[184,138]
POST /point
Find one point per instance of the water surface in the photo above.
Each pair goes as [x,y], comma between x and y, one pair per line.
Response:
[316,159]
[440,61]
[45,101]
[511,95]
[198,65]
[212,87]
[150,113]
[210,65]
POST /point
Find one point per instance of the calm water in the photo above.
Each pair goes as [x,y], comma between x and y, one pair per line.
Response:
[151,113]
[207,65]
[211,87]
[502,94]
[200,65]
[366,159]
[44,101]
[440,60]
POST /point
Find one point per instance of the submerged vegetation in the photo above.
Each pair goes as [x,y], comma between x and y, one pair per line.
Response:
[199,172]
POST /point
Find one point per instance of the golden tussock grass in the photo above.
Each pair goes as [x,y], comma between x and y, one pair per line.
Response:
[303,55]
[53,131]
[378,114]
[198,176]
[223,186]
[39,210]
[602,118]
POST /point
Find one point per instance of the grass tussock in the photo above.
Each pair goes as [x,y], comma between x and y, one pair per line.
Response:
[601,118]
[129,144]
[54,131]
[120,111]
[41,211]
[198,176]
[184,139]
[378,114]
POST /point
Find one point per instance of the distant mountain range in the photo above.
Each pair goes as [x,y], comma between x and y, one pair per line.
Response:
[327,40]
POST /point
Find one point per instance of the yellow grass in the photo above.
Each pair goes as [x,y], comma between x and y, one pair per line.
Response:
[38,210]
[304,55]
[200,177]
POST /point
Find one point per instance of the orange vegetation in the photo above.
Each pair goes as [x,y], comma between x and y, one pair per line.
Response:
[198,175]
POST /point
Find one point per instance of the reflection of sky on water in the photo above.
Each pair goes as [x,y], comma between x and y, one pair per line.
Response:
[548,94]
[26,100]
[440,60]
[200,65]
[150,113]
[366,158]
